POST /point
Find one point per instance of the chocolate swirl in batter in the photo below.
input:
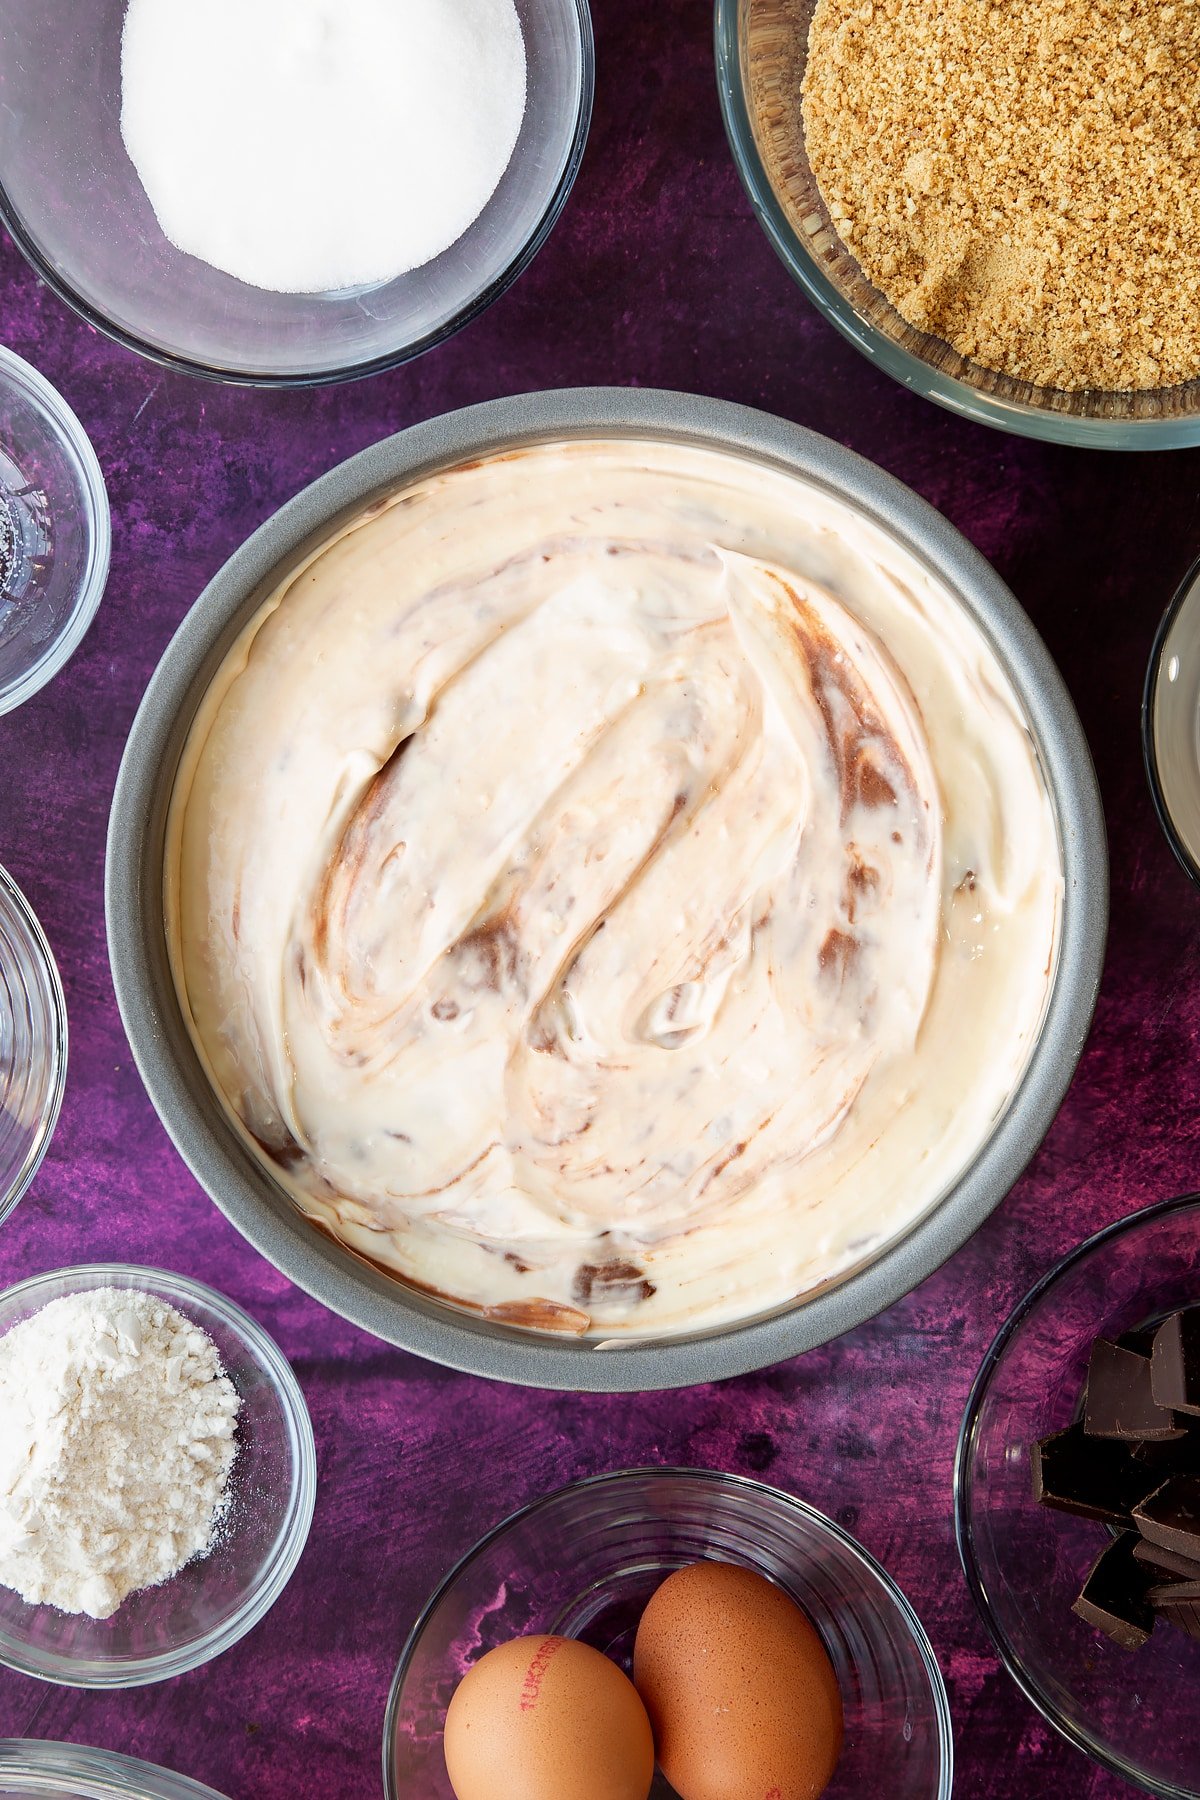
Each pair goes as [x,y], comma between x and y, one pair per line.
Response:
[569,887]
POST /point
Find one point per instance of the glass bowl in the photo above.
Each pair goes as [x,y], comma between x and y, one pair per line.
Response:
[214,1601]
[33,1044]
[74,205]
[584,1561]
[1133,1712]
[33,1770]
[55,533]
[1171,724]
[760,46]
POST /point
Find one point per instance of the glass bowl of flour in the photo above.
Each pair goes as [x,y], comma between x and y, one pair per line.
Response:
[285,192]
[127,1388]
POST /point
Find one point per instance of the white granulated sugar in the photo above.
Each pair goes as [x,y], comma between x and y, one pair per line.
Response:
[116,1441]
[310,145]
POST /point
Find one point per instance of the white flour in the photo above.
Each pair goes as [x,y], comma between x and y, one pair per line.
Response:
[116,1442]
[311,145]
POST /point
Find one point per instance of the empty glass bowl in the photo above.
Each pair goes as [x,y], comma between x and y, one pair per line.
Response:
[215,1600]
[33,1770]
[584,1561]
[73,203]
[54,531]
[33,1044]
[1171,723]
[761,46]
[1133,1711]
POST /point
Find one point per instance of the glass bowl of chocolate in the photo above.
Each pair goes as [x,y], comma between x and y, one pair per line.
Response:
[1077,1496]
[996,214]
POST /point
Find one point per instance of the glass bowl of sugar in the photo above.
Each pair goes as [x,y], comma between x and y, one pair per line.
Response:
[288,192]
[264,1508]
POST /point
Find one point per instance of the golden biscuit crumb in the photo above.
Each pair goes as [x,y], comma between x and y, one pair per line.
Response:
[1021,179]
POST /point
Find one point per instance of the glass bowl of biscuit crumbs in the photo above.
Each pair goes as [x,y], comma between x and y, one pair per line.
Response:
[1000,206]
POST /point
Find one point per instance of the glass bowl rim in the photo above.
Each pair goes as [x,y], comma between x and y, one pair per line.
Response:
[56,280]
[1188,589]
[38,1766]
[912,371]
[291,1536]
[45,399]
[44,956]
[963,1488]
[702,1476]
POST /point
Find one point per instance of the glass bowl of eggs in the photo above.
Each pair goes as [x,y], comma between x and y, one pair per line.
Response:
[381,174]
[612,1587]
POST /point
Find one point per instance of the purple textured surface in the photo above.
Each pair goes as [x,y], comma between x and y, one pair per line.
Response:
[657,275]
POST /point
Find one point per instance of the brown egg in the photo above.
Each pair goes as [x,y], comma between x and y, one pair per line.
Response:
[547,1718]
[739,1688]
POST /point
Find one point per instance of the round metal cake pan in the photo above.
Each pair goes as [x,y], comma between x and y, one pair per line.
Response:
[179,1089]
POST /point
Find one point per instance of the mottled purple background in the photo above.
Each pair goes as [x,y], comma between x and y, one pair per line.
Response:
[657,275]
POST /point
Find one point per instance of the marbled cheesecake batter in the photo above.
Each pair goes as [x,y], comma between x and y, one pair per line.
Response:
[612,885]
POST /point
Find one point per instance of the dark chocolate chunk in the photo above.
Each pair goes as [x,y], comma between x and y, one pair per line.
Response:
[286,1153]
[1172,1456]
[1131,1458]
[1167,1562]
[1120,1403]
[1170,1516]
[615,1280]
[1097,1478]
[1185,1615]
[1114,1595]
[1173,1593]
[1175,1362]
